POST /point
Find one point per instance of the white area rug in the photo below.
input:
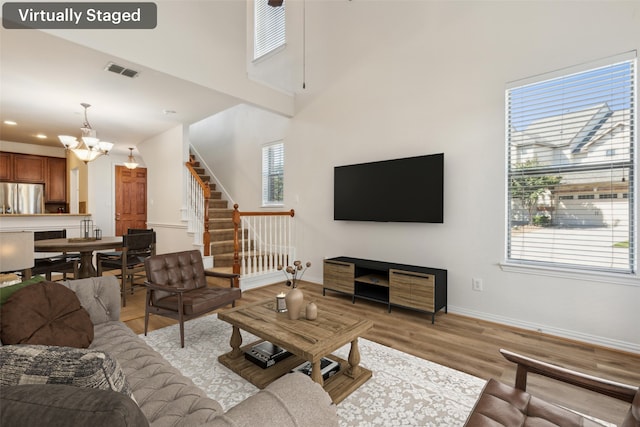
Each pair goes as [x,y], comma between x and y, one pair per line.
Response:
[404,390]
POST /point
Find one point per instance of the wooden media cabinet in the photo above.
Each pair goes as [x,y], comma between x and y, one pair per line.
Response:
[417,288]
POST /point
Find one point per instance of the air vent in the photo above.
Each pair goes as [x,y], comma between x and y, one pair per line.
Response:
[119,69]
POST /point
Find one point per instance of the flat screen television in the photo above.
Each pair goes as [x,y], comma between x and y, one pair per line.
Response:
[399,190]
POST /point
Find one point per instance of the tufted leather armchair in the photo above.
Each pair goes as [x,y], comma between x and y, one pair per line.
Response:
[502,405]
[177,288]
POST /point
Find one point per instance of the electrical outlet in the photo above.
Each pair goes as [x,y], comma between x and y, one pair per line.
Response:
[476,284]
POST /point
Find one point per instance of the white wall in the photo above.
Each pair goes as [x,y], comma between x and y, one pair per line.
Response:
[389,79]
[202,41]
[231,144]
[101,192]
[165,155]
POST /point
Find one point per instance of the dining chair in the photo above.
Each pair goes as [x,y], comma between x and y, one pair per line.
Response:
[177,288]
[136,248]
[65,263]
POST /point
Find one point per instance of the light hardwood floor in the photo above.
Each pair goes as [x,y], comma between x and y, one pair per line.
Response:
[462,343]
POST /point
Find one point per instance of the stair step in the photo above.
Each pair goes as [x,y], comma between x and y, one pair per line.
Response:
[220,213]
[224,234]
[205,178]
[220,223]
[218,204]
[198,170]
[226,246]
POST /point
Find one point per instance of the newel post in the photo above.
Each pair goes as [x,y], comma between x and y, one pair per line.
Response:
[236,242]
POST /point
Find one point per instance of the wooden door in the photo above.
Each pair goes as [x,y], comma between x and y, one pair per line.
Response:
[131,199]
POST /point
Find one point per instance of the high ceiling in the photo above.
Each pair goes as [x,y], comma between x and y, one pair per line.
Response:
[43,80]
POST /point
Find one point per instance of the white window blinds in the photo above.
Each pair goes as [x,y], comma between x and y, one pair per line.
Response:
[269,28]
[571,170]
[272,174]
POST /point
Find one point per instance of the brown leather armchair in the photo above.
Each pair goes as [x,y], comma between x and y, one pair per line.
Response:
[177,288]
[503,405]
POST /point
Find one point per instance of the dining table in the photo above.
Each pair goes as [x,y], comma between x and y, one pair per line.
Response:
[85,247]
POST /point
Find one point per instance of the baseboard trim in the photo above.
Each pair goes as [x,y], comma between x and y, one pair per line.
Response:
[258,281]
[546,329]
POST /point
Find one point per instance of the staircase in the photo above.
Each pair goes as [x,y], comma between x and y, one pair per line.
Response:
[264,239]
[220,221]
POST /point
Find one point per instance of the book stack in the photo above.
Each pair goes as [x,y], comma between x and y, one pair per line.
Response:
[266,354]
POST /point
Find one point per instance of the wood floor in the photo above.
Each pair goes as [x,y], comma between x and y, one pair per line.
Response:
[462,343]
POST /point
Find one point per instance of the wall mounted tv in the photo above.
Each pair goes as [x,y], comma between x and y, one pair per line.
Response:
[399,190]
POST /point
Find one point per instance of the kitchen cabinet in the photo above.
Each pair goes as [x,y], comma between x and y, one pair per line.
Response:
[29,168]
[6,166]
[56,184]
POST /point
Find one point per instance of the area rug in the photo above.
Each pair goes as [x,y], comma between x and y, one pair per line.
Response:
[404,390]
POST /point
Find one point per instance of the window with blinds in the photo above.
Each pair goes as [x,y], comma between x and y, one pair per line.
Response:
[571,169]
[273,174]
[269,28]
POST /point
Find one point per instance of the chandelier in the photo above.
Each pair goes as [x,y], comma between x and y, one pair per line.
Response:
[89,147]
[131,161]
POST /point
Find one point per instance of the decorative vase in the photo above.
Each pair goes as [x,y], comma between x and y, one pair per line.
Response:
[294,300]
[311,312]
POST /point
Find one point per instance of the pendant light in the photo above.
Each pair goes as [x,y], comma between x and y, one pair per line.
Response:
[89,147]
[131,161]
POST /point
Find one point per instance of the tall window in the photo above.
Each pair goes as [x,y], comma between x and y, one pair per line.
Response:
[269,28]
[571,169]
[273,174]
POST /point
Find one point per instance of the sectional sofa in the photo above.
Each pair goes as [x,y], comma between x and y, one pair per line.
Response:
[141,386]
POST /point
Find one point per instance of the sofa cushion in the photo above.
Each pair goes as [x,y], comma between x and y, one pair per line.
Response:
[39,364]
[7,291]
[46,313]
[56,405]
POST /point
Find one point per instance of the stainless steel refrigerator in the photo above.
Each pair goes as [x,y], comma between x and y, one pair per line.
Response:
[21,198]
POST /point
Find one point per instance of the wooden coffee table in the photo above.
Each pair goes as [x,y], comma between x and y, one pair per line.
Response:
[307,340]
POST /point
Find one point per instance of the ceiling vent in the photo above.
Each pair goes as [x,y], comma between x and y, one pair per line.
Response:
[119,69]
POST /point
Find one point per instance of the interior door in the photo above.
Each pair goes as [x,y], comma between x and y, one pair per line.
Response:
[131,199]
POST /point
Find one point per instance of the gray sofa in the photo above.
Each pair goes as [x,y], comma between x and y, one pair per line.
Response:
[167,398]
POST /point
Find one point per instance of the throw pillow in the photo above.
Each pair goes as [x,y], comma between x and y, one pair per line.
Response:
[7,291]
[58,405]
[46,313]
[80,367]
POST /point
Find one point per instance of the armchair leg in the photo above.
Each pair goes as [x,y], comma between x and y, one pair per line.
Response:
[146,312]
[181,318]
[124,290]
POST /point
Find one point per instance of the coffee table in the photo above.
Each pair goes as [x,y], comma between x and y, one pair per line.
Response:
[307,340]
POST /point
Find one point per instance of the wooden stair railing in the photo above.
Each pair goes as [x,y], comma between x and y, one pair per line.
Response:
[270,241]
[199,195]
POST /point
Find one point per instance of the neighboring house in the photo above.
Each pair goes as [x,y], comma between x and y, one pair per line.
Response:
[596,135]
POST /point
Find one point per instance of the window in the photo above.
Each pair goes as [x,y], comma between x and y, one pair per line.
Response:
[269,28]
[573,135]
[273,174]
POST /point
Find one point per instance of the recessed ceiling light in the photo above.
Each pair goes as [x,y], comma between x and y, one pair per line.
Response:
[168,112]
[41,136]
[10,122]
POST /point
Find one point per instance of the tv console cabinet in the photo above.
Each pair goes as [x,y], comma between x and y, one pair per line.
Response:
[417,288]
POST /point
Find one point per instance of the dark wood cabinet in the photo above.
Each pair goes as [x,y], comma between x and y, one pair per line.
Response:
[29,168]
[418,288]
[6,166]
[56,184]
